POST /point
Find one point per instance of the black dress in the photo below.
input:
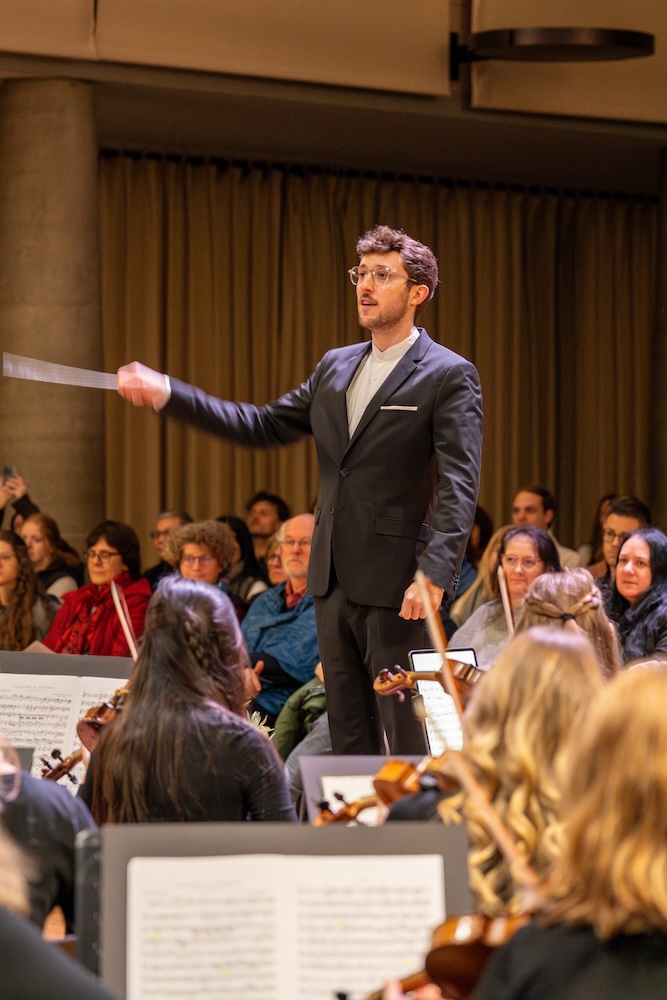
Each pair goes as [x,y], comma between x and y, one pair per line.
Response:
[570,963]
[237,776]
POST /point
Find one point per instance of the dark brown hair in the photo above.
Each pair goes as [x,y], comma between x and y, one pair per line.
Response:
[419,261]
[16,621]
[191,661]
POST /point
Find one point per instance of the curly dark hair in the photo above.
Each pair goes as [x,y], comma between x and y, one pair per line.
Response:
[419,260]
[217,537]
[17,629]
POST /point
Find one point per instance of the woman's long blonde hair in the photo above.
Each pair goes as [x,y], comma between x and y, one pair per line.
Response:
[570,600]
[612,872]
[517,730]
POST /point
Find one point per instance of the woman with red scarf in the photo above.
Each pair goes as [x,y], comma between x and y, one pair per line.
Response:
[87,622]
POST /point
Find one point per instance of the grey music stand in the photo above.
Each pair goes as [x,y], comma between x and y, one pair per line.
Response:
[118,844]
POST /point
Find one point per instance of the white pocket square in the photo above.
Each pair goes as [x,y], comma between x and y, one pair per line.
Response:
[410,408]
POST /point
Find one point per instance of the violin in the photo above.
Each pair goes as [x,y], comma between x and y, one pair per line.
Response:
[348,812]
[95,719]
[63,766]
[465,677]
[88,728]
[460,948]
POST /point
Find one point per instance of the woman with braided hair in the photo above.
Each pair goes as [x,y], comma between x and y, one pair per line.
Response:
[26,612]
[181,749]
[571,600]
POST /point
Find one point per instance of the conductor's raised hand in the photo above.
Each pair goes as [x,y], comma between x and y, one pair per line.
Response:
[143,386]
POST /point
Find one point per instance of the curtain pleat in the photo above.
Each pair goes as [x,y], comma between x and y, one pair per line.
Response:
[233,277]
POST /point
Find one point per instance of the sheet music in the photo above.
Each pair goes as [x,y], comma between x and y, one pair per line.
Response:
[43,711]
[288,928]
[443,726]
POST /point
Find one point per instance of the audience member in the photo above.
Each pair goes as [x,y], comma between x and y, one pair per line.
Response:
[571,600]
[639,594]
[58,567]
[525,553]
[14,490]
[203,551]
[26,612]
[266,512]
[245,578]
[590,553]
[88,622]
[181,749]
[485,587]
[480,535]
[625,515]
[274,564]
[167,522]
[279,628]
[537,506]
[299,713]
[603,927]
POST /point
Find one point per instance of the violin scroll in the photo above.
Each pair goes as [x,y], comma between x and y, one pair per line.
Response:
[63,766]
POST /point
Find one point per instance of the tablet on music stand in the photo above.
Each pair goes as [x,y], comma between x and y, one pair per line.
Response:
[443,726]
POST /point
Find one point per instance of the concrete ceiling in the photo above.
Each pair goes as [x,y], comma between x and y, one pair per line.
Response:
[158,110]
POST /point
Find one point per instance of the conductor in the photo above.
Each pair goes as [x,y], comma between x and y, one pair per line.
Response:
[397,425]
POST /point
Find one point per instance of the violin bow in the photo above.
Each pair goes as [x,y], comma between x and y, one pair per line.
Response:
[505,597]
[439,641]
[123,613]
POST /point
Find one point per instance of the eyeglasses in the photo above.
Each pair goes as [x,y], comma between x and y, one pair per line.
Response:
[104,555]
[204,560]
[303,543]
[380,275]
[159,534]
[610,535]
[512,562]
[273,558]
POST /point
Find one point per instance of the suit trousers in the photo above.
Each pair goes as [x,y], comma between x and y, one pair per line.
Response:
[356,642]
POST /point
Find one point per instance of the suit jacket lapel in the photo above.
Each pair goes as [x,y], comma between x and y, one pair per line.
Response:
[341,383]
[401,372]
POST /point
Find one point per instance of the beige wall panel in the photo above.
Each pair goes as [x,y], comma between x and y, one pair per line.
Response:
[633,89]
[48,27]
[396,46]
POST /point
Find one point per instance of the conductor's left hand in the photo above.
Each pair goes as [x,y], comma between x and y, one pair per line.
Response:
[413,607]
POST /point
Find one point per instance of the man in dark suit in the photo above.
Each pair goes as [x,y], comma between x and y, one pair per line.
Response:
[398,429]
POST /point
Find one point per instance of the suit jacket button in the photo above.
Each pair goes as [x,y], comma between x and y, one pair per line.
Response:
[332,510]
[344,473]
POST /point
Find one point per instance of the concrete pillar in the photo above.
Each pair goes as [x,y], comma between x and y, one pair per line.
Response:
[659,387]
[50,296]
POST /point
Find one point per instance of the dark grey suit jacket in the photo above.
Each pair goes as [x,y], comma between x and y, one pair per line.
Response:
[401,493]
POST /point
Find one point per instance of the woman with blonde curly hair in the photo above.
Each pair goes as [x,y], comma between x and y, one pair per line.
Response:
[603,929]
[517,733]
[26,612]
[572,601]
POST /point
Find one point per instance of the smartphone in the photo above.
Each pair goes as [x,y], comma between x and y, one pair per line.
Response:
[8,471]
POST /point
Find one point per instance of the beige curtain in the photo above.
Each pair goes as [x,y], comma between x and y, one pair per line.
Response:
[234,278]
